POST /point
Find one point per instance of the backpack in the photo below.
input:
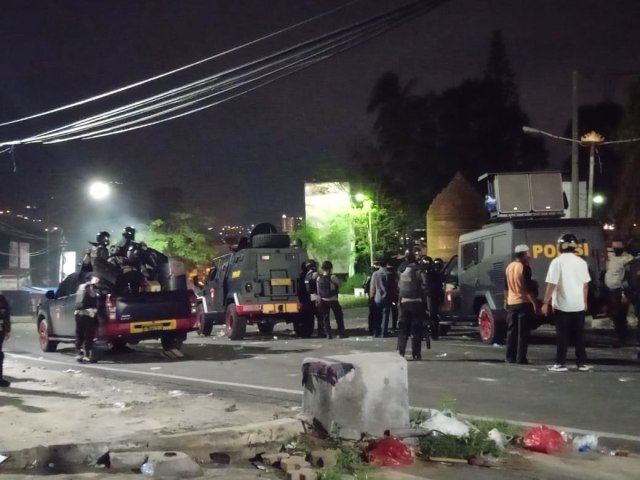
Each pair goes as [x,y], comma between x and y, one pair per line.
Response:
[326,288]
[409,282]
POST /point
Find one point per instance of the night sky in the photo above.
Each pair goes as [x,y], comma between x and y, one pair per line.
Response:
[245,161]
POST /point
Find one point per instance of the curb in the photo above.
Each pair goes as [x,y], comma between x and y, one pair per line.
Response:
[68,457]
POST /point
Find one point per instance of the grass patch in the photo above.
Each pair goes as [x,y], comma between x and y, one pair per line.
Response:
[476,444]
[416,416]
[348,301]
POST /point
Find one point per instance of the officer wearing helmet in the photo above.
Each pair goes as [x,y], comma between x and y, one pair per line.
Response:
[127,241]
[566,296]
[99,252]
[435,294]
[412,287]
[311,290]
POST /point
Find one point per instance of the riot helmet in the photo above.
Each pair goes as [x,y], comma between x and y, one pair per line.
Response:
[567,242]
[311,265]
[327,266]
[129,233]
[103,238]
[438,264]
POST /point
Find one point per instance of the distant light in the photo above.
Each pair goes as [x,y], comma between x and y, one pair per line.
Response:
[99,190]
[598,199]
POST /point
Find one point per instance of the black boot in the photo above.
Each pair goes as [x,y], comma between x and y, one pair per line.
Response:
[416,346]
[402,345]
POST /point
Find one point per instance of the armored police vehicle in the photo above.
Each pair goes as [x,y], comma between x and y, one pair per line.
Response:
[256,284]
[474,279]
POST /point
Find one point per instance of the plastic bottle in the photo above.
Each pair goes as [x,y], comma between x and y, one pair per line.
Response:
[147,469]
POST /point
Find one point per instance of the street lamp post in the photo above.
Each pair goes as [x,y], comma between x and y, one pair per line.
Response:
[592,140]
[367,207]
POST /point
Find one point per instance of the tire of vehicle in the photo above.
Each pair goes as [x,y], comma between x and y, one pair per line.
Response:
[117,345]
[46,345]
[170,342]
[265,328]
[206,324]
[303,325]
[492,329]
[271,240]
[236,325]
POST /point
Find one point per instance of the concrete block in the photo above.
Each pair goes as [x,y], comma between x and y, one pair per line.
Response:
[173,465]
[274,458]
[302,474]
[353,394]
[324,458]
[292,463]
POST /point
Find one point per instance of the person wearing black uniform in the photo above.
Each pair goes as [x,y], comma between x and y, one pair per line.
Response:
[128,239]
[99,252]
[631,283]
[5,330]
[311,287]
[86,314]
[412,287]
[435,294]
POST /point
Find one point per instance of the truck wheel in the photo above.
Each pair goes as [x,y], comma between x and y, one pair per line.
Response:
[303,325]
[265,328]
[492,329]
[46,345]
[236,325]
[206,324]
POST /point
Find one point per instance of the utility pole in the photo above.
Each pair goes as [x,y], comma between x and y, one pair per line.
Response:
[574,207]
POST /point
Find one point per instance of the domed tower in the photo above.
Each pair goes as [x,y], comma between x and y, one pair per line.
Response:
[457,209]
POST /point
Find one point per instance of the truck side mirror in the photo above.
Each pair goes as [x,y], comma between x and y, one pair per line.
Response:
[50,295]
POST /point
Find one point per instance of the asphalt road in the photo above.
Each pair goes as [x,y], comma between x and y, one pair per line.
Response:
[459,371]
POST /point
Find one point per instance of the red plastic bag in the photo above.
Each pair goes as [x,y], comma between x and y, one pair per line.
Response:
[389,452]
[543,439]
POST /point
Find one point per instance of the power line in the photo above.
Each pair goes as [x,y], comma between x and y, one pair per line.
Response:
[180,69]
[264,70]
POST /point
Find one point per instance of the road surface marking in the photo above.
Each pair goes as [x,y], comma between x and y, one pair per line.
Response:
[162,375]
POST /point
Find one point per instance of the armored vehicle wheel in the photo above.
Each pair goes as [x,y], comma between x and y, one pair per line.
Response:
[492,329]
[270,240]
[303,325]
[265,328]
[206,323]
[46,345]
[236,325]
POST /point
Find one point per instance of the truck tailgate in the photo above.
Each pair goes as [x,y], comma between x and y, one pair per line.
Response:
[153,306]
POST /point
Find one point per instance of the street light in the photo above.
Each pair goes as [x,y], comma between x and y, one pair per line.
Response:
[367,207]
[99,190]
[592,140]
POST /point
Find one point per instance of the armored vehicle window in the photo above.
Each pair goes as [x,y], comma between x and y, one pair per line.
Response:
[212,273]
[469,255]
[484,249]
[238,259]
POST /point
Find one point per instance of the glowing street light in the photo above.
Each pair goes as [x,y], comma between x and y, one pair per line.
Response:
[598,199]
[99,190]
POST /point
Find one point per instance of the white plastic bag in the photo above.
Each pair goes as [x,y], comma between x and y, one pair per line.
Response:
[498,437]
[449,425]
[585,443]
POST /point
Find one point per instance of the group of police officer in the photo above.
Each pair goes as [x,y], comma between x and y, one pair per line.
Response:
[102,256]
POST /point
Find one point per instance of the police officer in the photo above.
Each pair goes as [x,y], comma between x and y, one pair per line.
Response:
[128,239]
[412,287]
[86,315]
[631,283]
[5,330]
[434,295]
[99,251]
[311,287]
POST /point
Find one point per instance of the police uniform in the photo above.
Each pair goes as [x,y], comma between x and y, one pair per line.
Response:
[86,315]
[412,287]
[5,329]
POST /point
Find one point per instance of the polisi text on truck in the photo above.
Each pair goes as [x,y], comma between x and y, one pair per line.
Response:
[550,250]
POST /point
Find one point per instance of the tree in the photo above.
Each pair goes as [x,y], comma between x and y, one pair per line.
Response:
[423,140]
[626,207]
[181,236]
